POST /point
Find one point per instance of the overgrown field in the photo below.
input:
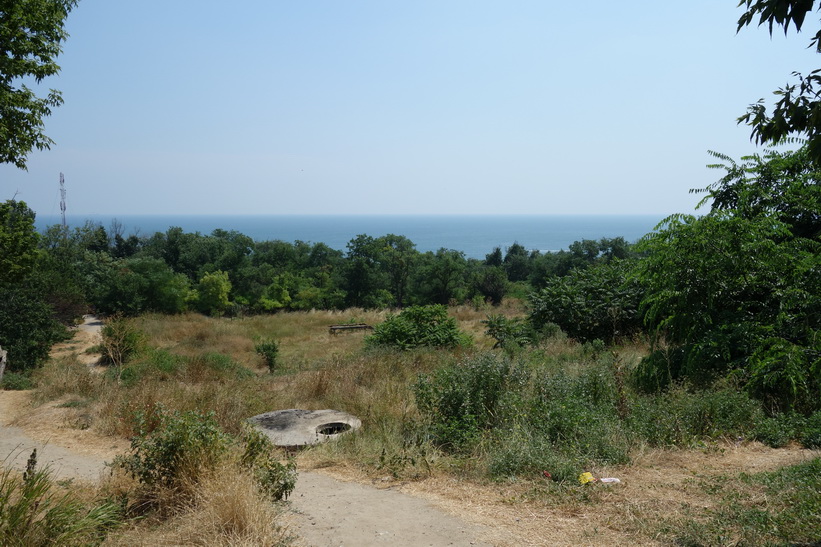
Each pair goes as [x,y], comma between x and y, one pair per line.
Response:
[528,418]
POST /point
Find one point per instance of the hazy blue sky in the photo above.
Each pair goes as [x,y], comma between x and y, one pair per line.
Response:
[445,106]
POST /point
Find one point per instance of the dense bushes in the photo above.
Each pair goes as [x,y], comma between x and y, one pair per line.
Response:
[599,302]
[738,291]
[522,418]
[174,451]
[419,326]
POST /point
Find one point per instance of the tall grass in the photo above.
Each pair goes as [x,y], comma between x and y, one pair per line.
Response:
[34,510]
[561,407]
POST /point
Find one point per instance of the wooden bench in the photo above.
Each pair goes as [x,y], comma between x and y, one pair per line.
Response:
[335,329]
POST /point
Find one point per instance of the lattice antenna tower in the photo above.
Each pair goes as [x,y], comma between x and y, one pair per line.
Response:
[63,198]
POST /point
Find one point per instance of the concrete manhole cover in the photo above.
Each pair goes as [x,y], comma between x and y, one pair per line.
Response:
[295,427]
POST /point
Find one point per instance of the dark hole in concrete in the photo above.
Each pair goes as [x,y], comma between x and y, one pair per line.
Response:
[333,428]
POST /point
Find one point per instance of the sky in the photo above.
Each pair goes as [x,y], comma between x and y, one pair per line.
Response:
[390,107]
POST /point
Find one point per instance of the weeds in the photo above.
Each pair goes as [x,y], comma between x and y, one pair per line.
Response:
[268,349]
[33,512]
[774,508]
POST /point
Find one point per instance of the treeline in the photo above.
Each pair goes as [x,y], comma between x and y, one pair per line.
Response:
[227,272]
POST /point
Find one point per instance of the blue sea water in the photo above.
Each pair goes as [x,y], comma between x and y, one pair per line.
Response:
[475,235]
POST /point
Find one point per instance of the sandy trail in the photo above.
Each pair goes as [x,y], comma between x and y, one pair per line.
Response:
[329,512]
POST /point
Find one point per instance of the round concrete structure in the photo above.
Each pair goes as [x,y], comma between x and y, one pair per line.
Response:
[295,427]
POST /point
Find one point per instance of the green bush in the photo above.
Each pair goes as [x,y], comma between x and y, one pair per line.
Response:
[510,334]
[33,513]
[173,449]
[13,381]
[269,350]
[460,401]
[680,416]
[419,326]
[597,302]
[274,479]
[811,434]
[27,327]
[121,341]
[155,363]
[776,431]
[219,365]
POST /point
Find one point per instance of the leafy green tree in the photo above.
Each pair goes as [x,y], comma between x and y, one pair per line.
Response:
[31,34]
[365,283]
[441,277]
[18,241]
[212,293]
[277,295]
[719,285]
[798,108]
[491,282]
[786,185]
[738,291]
[27,327]
[599,302]
[397,258]
[494,258]
[517,263]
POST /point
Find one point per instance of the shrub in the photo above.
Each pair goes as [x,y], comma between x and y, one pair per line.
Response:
[460,401]
[598,302]
[13,381]
[27,327]
[811,435]
[776,431]
[268,349]
[419,326]
[172,450]
[121,341]
[33,513]
[274,479]
[681,416]
[509,333]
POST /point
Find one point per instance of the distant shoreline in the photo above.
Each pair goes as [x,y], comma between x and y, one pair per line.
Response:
[475,235]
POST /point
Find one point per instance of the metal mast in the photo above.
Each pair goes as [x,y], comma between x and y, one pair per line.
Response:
[63,198]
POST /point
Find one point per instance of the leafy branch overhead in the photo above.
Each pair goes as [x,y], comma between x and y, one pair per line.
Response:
[797,110]
[31,34]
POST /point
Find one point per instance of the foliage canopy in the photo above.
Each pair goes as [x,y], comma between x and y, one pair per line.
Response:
[31,34]
[798,108]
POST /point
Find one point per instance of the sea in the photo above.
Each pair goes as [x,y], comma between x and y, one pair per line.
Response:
[474,235]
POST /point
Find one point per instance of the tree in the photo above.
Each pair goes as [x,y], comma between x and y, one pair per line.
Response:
[31,34]
[798,110]
[397,257]
[365,283]
[517,263]
[597,302]
[212,293]
[738,290]
[492,283]
[441,277]
[27,327]
[18,241]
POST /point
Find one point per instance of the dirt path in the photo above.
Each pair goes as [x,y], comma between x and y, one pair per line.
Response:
[330,512]
[69,452]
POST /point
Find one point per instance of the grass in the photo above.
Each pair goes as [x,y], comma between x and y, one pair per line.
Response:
[562,407]
[780,507]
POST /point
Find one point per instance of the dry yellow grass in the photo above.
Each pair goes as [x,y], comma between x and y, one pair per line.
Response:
[320,370]
[225,509]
